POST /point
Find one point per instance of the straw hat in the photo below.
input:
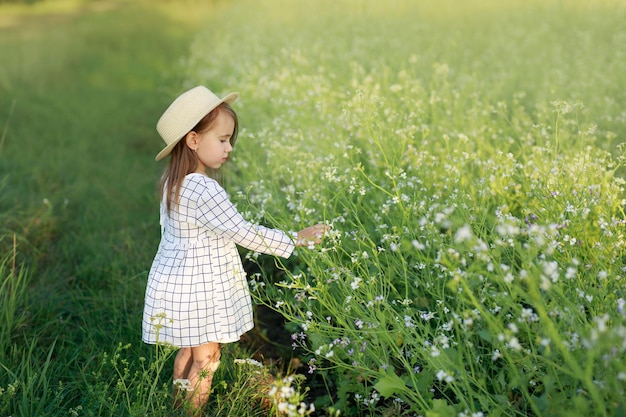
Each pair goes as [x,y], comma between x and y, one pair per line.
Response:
[184,113]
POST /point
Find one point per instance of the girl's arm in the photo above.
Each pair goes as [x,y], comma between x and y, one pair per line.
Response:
[216,212]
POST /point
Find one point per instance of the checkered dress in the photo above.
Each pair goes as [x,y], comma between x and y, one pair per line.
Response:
[197,290]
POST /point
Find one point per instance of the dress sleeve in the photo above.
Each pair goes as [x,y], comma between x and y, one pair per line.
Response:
[216,212]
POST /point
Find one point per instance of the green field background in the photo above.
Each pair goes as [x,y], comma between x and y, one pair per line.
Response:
[83,83]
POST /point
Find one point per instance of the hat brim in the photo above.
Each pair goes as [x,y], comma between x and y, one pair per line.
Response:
[228,99]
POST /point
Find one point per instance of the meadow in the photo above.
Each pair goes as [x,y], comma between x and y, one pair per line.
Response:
[467,156]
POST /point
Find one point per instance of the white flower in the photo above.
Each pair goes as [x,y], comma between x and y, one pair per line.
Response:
[551,270]
[463,234]
[601,322]
[427,315]
[507,229]
[418,245]
[514,344]
[444,376]
[249,361]
[434,352]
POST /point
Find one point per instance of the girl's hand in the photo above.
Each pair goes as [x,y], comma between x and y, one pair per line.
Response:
[311,235]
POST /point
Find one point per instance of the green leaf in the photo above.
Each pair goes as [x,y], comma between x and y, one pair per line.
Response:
[389,385]
[441,409]
[485,335]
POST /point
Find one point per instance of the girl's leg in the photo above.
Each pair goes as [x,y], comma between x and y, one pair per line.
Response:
[182,364]
[204,363]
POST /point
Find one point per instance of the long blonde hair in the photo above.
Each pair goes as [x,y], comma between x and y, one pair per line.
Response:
[184,161]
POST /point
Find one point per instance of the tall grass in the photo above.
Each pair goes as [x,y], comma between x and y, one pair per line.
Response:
[468,158]
[80,94]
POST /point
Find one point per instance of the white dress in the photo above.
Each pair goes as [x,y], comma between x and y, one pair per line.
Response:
[197,289]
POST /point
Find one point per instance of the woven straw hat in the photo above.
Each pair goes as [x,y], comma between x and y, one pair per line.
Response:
[184,113]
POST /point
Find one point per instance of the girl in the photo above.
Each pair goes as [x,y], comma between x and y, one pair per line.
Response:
[197,294]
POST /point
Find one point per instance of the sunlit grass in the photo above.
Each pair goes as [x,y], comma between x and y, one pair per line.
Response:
[469,167]
[467,156]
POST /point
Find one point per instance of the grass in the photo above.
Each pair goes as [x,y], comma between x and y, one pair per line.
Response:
[80,92]
[467,156]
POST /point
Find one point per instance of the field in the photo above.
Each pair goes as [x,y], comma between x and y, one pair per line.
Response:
[467,155]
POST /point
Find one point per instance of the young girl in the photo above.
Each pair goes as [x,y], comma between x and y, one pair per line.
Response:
[197,294]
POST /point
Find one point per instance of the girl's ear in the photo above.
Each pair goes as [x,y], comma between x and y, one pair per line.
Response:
[191,139]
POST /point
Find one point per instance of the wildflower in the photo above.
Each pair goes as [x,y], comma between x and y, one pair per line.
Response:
[304,409]
[507,229]
[426,315]
[514,344]
[601,323]
[551,270]
[528,315]
[418,245]
[249,361]
[463,234]
[434,352]
[444,376]
[355,283]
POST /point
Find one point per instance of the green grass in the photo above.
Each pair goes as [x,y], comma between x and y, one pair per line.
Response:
[467,155]
[80,92]
[468,158]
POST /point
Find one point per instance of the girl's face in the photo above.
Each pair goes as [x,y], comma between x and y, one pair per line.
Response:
[213,146]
